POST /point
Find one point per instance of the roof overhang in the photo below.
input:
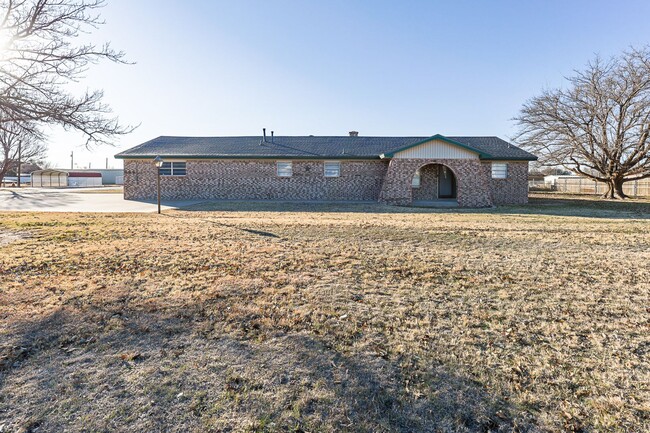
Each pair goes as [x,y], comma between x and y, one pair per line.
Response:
[482,155]
[316,157]
[510,158]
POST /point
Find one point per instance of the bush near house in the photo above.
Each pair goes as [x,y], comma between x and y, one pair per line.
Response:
[271,317]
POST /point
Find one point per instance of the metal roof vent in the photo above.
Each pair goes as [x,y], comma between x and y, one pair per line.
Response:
[354,133]
[263,140]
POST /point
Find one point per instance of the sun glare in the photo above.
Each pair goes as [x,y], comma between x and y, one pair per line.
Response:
[5,39]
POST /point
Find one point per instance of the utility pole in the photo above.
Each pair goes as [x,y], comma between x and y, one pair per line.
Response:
[20,148]
[72,160]
[106,163]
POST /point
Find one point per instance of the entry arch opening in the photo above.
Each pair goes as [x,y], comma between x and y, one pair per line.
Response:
[434,183]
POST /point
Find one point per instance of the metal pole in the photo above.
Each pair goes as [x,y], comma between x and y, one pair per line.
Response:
[158,187]
[71,160]
[20,142]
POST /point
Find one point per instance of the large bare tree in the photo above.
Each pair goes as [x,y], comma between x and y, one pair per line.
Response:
[19,144]
[599,125]
[41,55]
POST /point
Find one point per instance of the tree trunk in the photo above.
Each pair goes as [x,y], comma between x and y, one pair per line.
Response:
[614,188]
[609,192]
[4,168]
[618,187]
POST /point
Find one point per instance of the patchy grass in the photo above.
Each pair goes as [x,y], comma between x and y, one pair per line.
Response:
[263,317]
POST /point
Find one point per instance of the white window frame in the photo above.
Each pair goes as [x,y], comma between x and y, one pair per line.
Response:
[174,168]
[499,170]
[334,170]
[284,168]
[417,180]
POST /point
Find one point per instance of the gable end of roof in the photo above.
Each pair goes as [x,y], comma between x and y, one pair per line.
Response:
[482,155]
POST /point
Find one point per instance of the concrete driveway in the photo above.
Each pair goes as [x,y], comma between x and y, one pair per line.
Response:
[77,200]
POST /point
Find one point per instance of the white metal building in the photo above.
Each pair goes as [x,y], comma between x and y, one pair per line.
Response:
[110,176]
[50,178]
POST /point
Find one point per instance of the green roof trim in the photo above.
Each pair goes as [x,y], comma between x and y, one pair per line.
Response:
[276,157]
[501,158]
[481,155]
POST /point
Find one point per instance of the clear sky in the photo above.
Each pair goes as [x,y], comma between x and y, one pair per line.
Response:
[326,67]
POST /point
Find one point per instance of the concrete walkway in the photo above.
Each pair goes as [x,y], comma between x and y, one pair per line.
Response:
[77,200]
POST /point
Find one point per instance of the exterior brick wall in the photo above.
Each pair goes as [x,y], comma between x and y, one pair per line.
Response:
[386,181]
[256,180]
[472,181]
[428,189]
[513,189]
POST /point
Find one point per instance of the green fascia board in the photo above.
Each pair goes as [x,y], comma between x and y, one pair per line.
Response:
[525,158]
[276,157]
[481,155]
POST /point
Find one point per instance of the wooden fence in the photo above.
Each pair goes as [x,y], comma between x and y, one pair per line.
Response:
[637,188]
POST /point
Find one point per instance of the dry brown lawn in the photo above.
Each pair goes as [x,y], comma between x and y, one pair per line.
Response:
[321,318]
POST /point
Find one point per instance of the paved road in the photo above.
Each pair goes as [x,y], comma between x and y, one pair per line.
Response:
[76,200]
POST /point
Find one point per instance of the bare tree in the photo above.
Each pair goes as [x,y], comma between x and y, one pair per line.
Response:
[599,125]
[40,56]
[19,144]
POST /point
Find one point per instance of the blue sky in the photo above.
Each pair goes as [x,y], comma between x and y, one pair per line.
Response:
[328,67]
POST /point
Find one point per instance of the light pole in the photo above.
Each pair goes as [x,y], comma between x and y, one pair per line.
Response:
[158,162]
[20,145]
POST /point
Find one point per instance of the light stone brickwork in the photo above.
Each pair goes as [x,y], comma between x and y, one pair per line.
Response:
[256,180]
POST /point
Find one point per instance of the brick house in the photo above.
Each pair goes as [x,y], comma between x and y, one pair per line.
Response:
[462,171]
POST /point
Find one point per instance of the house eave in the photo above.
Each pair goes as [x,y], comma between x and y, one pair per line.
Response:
[522,158]
[241,157]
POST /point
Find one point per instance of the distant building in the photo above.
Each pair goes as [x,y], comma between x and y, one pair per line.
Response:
[110,176]
[553,179]
[54,178]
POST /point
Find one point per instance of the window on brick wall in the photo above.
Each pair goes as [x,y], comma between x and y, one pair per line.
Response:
[499,170]
[332,168]
[284,168]
[415,182]
[174,168]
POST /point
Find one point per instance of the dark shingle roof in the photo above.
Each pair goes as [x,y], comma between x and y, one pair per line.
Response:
[309,147]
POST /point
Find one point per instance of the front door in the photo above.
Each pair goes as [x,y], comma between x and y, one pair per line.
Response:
[446,183]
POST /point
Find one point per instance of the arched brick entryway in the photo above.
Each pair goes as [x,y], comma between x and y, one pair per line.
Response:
[435,183]
[472,181]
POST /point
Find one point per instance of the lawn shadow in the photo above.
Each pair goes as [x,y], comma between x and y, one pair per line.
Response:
[232,226]
[550,205]
[581,206]
[24,201]
[130,369]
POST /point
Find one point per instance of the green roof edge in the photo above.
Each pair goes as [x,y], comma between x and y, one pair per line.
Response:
[278,157]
